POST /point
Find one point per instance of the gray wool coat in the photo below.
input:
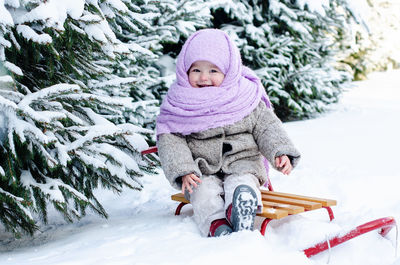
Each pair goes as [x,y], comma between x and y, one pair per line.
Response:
[232,149]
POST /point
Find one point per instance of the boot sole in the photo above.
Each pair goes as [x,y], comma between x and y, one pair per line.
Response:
[244,207]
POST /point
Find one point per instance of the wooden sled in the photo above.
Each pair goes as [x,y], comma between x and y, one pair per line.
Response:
[278,205]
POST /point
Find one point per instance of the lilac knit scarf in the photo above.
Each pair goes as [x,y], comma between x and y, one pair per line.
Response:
[187,110]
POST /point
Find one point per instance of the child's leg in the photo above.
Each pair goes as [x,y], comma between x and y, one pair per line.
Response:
[208,205]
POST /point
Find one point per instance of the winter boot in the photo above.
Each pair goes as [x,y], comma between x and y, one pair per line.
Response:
[220,227]
[242,212]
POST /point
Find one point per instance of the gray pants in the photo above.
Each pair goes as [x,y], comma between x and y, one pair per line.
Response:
[214,195]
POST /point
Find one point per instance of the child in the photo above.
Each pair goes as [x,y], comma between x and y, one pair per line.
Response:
[215,124]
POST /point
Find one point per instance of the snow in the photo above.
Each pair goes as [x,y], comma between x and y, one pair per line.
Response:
[13,68]
[90,18]
[166,65]
[360,9]
[29,34]
[349,154]
[95,131]
[120,157]
[314,6]
[48,92]
[4,42]
[137,48]
[54,12]
[97,32]
[5,16]
[115,82]
[13,3]
[18,200]
[117,4]
[48,188]
[136,141]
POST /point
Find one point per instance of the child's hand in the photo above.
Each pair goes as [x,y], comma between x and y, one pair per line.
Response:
[189,181]
[283,164]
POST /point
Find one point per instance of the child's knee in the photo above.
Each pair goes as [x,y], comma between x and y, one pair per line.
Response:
[208,193]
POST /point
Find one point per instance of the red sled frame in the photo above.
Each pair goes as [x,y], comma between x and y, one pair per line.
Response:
[384,225]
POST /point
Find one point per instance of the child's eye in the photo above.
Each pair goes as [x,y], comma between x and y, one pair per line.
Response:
[195,70]
[214,71]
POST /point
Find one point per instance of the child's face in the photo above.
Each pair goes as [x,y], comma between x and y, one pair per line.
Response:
[204,73]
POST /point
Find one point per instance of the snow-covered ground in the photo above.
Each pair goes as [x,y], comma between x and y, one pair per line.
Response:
[350,154]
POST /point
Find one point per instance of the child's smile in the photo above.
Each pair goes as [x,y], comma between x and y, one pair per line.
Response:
[204,74]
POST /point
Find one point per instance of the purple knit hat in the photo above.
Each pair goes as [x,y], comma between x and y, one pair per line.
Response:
[187,110]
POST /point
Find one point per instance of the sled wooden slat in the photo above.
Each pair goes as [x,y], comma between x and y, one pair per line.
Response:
[324,202]
[291,209]
[303,203]
[179,198]
[273,213]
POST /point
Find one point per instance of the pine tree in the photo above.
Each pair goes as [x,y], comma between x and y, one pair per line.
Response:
[69,124]
[291,45]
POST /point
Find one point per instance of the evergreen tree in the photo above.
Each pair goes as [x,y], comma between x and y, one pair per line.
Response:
[291,45]
[68,124]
